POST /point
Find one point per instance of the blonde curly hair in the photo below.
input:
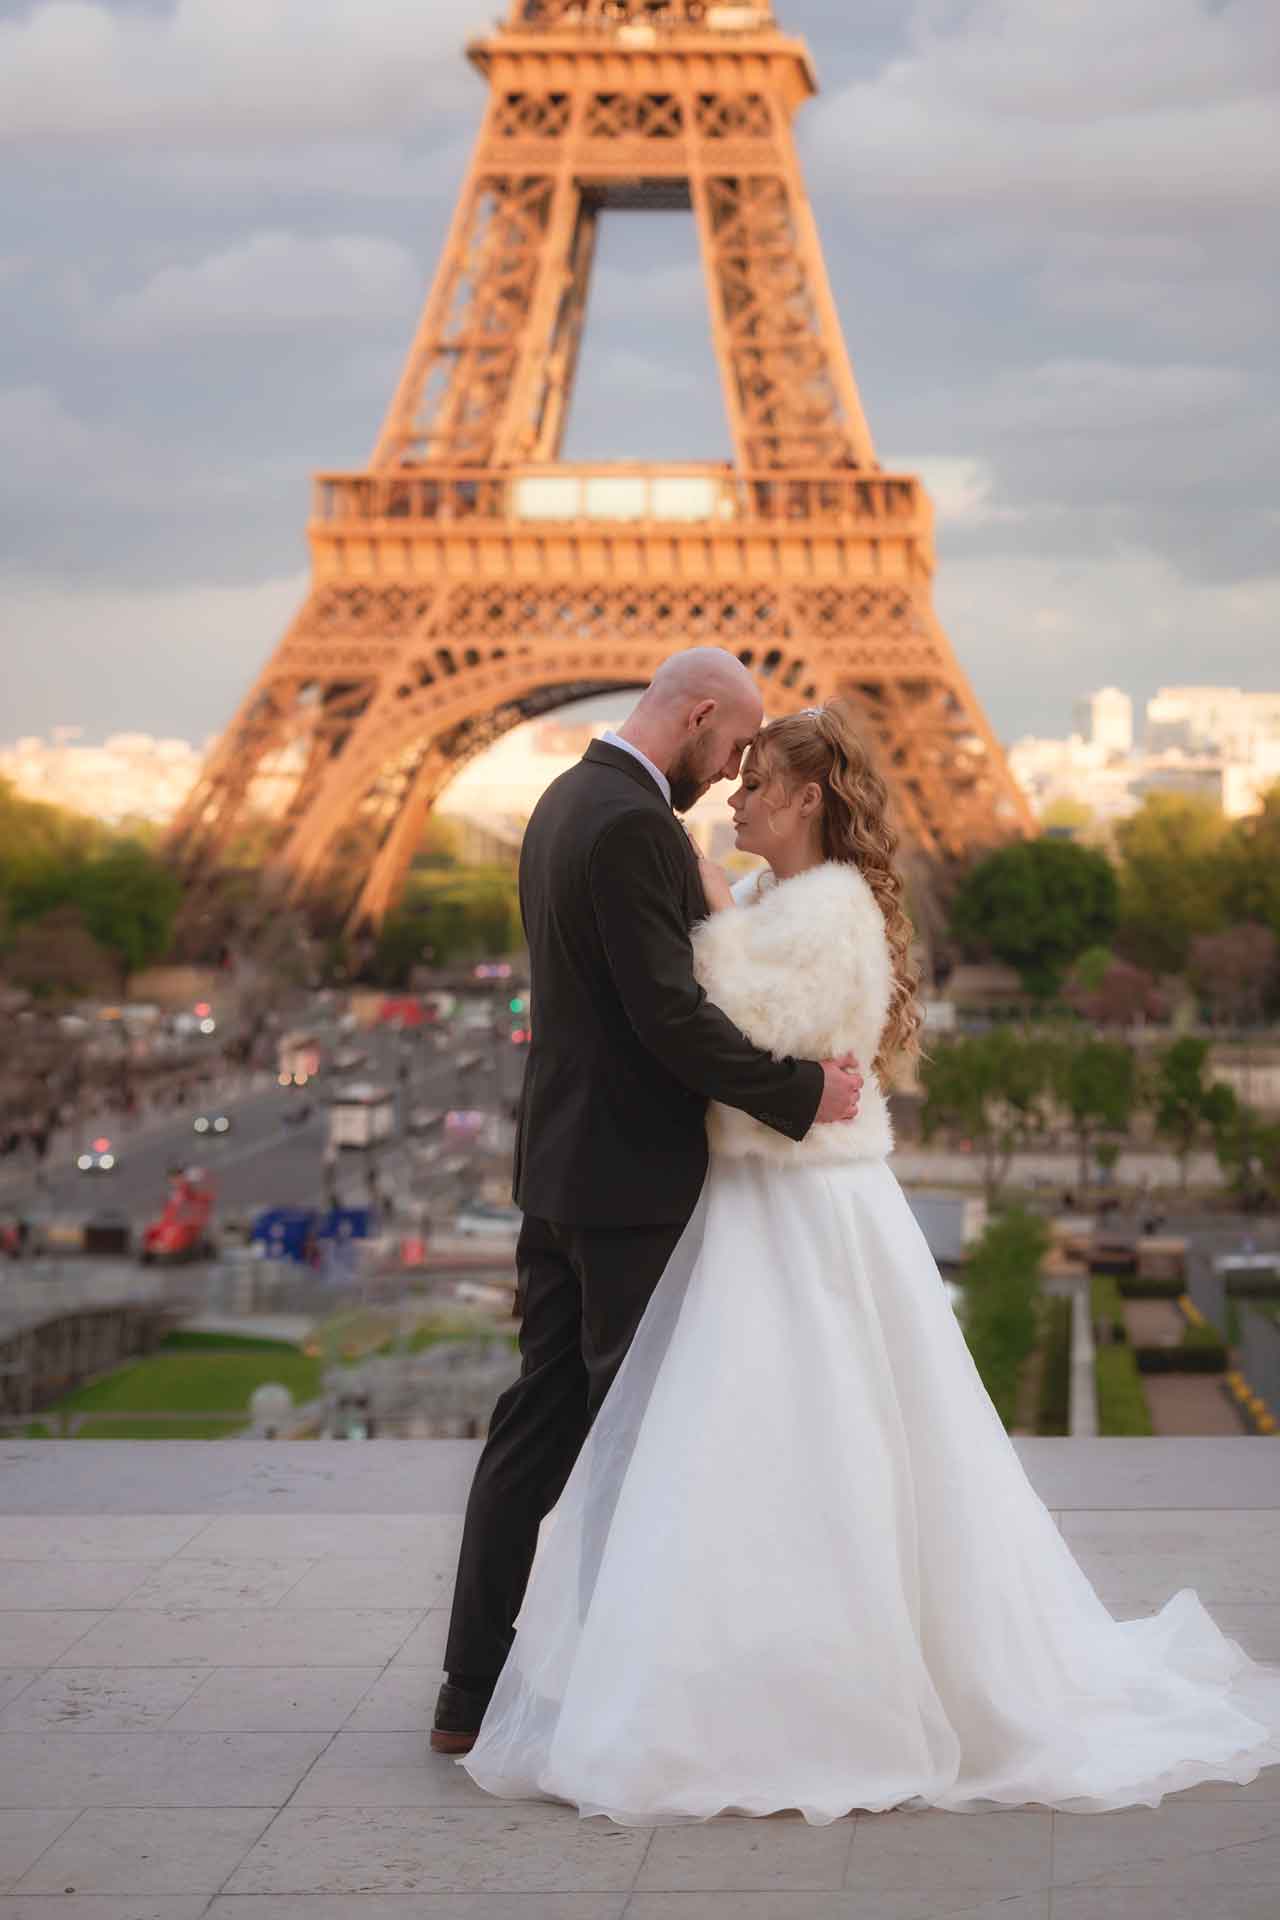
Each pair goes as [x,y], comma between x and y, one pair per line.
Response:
[821,745]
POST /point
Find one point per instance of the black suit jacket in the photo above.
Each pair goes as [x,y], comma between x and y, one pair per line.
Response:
[627,1049]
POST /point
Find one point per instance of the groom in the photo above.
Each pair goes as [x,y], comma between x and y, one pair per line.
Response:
[611,1148]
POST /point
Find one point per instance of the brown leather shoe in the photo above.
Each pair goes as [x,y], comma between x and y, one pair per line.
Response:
[459,1712]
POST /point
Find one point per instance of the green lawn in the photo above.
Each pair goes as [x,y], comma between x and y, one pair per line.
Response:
[195,1373]
[160,1429]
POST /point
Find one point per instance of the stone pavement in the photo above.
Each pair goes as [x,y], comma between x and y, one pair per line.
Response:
[219,1662]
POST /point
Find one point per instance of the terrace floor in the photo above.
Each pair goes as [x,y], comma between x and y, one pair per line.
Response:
[219,1662]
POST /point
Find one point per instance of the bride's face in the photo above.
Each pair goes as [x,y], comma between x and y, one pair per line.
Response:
[767,816]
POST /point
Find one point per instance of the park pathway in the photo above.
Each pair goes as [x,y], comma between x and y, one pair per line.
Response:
[1180,1403]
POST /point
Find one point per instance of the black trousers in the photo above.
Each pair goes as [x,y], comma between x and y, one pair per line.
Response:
[585,1292]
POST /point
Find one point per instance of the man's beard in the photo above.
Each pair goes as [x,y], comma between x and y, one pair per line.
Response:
[687,781]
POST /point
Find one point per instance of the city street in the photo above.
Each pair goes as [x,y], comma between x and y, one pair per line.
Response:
[264,1160]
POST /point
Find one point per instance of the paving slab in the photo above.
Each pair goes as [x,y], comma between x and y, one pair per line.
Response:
[43,1906]
[732,1854]
[954,1903]
[1224,1557]
[243,1637]
[419,1906]
[211,1579]
[484,1849]
[101,1699]
[1159,1903]
[156,1769]
[274,1699]
[132,1850]
[35,1639]
[47,1584]
[25,1833]
[1231,1842]
[401,1700]
[1006,1852]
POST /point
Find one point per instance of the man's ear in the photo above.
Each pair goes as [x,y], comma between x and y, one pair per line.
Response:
[702,713]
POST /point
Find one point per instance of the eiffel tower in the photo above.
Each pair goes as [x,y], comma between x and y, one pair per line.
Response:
[469,579]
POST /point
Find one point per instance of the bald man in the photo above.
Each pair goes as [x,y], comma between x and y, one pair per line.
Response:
[611,1149]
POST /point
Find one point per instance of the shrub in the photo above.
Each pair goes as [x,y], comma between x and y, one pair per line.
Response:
[1134,1286]
[1108,1311]
[1054,1415]
[1002,1286]
[1202,1350]
[1123,1412]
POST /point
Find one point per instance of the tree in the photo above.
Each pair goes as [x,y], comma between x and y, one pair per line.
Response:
[989,1089]
[130,901]
[1172,879]
[461,914]
[1186,1103]
[55,957]
[1113,993]
[1096,1082]
[1234,972]
[1248,1151]
[1251,866]
[1067,816]
[441,843]
[1000,1310]
[1037,905]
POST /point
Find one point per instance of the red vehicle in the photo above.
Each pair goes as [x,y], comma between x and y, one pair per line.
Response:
[405,1011]
[182,1230]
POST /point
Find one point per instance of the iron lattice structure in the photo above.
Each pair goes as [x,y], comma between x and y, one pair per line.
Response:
[469,579]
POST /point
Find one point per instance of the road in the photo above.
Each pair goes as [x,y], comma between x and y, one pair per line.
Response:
[264,1161]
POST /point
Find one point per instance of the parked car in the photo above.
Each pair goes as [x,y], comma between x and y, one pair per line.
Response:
[487,1220]
[98,1158]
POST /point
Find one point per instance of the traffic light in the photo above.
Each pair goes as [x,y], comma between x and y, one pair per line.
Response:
[516,1004]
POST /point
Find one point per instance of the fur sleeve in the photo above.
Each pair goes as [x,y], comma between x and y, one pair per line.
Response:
[806,971]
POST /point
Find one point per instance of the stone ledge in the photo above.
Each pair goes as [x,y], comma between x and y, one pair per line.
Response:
[432,1476]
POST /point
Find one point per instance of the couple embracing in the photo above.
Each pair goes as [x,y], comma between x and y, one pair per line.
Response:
[747,1534]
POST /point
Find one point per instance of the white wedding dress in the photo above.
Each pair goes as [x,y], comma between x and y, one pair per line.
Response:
[798,1564]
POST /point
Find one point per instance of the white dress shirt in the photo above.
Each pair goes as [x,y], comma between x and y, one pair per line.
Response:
[659,779]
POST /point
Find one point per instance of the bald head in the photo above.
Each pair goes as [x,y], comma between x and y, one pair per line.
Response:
[696,720]
[706,674]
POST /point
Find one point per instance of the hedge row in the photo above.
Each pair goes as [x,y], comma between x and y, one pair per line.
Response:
[1054,1414]
[1002,1282]
[1107,1306]
[1146,1287]
[1123,1412]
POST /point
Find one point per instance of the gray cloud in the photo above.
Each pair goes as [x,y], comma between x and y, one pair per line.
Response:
[1049,224]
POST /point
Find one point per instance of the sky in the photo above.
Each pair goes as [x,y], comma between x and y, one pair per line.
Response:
[1050,225]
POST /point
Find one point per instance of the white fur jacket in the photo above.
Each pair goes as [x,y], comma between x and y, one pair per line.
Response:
[804,968]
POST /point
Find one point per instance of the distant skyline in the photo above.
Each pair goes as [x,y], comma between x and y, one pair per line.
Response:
[1050,225]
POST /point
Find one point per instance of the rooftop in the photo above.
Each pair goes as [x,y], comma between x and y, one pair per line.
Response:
[220,1662]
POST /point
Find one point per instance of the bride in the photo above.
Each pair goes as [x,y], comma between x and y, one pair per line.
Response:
[798,1564]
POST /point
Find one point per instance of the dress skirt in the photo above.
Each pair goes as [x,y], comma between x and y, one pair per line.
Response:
[798,1564]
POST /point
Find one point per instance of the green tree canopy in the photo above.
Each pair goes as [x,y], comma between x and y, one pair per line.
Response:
[1096,1083]
[459,914]
[129,900]
[1037,905]
[59,870]
[1186,1103]
[1251,867]
[987,1088]
[1173,879]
